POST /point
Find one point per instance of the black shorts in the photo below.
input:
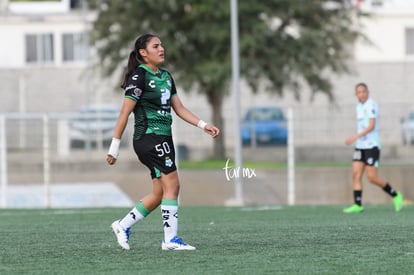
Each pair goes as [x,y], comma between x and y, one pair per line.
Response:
[368,156]
[157,153]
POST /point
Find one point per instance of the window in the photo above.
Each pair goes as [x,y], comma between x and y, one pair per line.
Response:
[39,48]
[377,3]
[74,47]
[409,41]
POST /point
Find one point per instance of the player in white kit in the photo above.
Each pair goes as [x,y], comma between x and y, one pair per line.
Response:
[367,151]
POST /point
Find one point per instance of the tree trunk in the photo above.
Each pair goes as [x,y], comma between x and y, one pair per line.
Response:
[216,102]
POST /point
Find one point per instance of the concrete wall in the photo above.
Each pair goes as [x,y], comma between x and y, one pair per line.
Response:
[314,185]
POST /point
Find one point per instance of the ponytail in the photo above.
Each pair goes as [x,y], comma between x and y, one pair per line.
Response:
[132,64]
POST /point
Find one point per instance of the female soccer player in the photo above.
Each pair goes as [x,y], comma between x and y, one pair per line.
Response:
[367,151]
[150,92]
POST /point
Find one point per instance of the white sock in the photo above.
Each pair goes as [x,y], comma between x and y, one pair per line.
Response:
[169,212]
[135,215]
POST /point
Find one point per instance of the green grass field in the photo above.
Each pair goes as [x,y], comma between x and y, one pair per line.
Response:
[239,240]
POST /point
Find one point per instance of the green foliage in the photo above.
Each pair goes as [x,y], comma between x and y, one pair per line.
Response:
[285,45]
[238,240]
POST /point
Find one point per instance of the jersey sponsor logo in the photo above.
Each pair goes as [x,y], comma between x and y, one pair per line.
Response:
[130,87]
[135,77]
[163,112]
[151,84]
[165,96]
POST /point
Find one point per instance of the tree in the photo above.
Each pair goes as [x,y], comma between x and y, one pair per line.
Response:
[284,44]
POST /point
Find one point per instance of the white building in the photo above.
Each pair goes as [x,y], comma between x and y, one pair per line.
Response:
[391,30]
[44,57]
[43,65]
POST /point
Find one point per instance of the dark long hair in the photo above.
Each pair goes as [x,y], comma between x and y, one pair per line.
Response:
[135,57]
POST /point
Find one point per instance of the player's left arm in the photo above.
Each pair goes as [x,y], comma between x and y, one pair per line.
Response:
[191,118]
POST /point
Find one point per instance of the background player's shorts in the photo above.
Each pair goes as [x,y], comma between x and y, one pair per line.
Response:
[368,156]
[157,153]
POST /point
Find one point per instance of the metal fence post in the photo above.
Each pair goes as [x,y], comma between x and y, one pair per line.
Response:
[291,158]
[63,140]
[3,160]
[46,159]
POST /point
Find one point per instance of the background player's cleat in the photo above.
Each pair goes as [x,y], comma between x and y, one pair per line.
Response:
[176,243]
[121,234]
[398,202]
[355,208]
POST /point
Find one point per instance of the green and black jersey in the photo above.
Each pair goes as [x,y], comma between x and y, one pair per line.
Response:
[152,93]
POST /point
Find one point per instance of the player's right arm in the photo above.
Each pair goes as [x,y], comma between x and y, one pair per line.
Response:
[133,91]
[128,106]
[371,126]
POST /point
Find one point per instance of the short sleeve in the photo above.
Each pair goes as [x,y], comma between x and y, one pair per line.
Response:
[372,110]
[173,88]
[135,85]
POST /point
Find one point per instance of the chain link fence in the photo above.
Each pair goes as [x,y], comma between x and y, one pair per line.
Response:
[53,147]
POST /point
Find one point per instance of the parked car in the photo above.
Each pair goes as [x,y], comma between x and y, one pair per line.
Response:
[264,126]
[407,126]
[92,124]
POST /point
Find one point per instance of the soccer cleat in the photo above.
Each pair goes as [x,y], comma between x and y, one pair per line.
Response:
[355,208]
[398,202]
[176,243]
[121,234]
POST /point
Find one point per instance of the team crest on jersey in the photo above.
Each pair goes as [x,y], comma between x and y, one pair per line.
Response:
[168,80]
[168,162]
[137,92]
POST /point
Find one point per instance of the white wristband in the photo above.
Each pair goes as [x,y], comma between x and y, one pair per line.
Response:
[114,148]
[201,124]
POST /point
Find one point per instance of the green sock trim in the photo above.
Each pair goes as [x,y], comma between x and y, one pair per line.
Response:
[141,209]
[169,202]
